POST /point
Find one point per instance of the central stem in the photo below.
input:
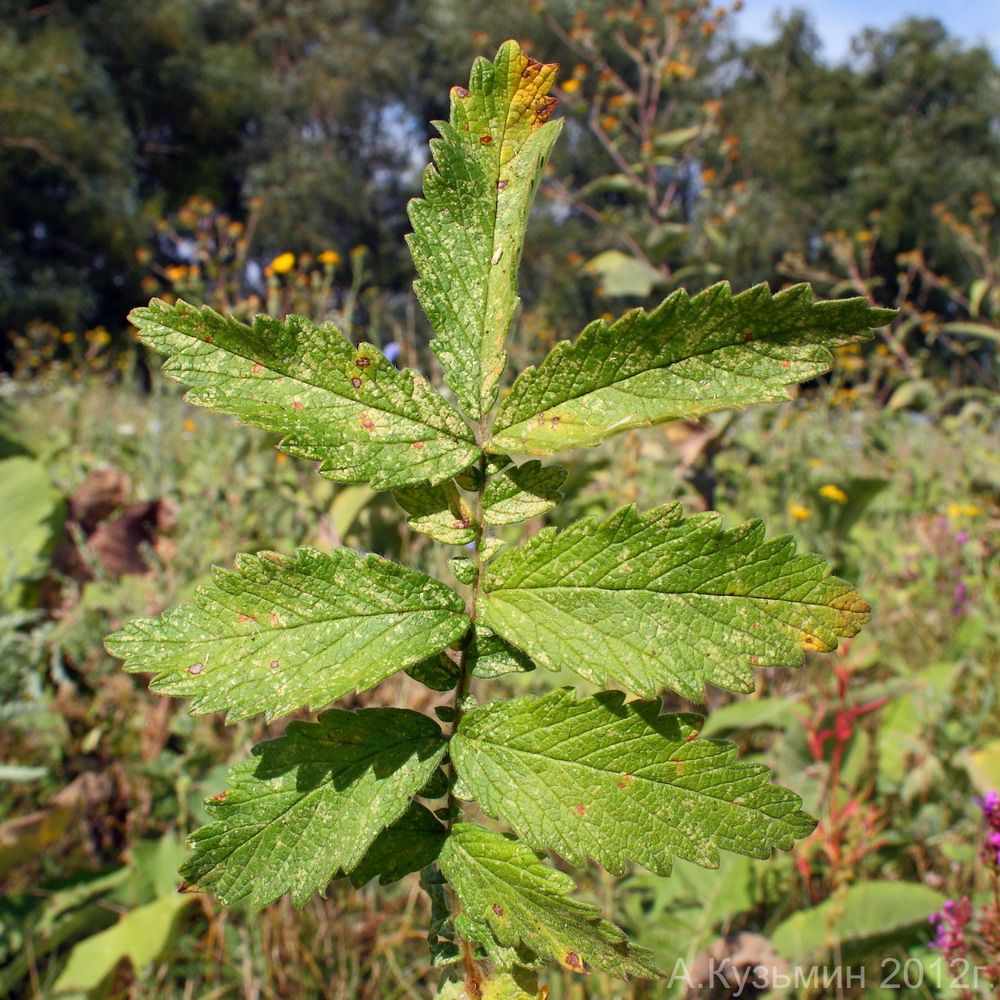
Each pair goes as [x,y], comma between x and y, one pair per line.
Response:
[464,673]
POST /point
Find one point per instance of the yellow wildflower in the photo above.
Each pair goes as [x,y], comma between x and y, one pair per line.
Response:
[67,337]
[176,273]
[189,425]
[963,510]
[815,462]
[799,512]
[330,257]
[571,86]
[283,263]
[832,492]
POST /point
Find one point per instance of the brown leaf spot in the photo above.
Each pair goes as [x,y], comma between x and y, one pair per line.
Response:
[367,422]
[356,382]
[460,92]
[418,445]
[219,797]
[363,362]
[498,909]
[544,109]
[627,779]
[242,619]
[573,961]
[693,736]
[501,184]
[196,668]
[297,405]
[257,368]
[582,810]
[786,364]
[756,625]
[274,664]
[555,422]
[754,660]
[275,620]
[486,139]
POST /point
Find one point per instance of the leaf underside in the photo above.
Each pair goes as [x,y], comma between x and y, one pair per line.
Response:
[309,805]
[438,511]
[687,357]
[406,846]
[280,633]
[468,228]
[620,783]
[651,599]
[343,406]
[518,910]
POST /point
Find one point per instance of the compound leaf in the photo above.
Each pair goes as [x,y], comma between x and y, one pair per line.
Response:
[438,511]
[522,492]
[469,226]
[686,358]
[278,633]
[518,909]
[620,783]
[643,600]
[343,406]
[309,805]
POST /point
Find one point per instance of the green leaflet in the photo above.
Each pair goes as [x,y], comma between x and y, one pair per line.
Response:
[514,905]
[686,358]
[522,492]
[278,633]
[468,229]
[489,656]
[650,599]
[620,783]
[345,407]
[409,844]
[309,805]
[438,511]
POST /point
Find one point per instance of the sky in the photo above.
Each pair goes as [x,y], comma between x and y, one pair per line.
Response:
[836,21]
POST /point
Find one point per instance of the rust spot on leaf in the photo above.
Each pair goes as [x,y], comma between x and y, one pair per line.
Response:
[363,362]
[460,92]
[756,625]
[754,660]
[418,445]
[786,364]
[501,184]
[274,664]
[219,797]
[246,618]
[356,382]
[693,736]
[582,810]
[275,620]
[196,668]
[573,961]
[486,139]
[555,422]
[257,368]
[367,422]
[627,779]
[498,909]
[297,405]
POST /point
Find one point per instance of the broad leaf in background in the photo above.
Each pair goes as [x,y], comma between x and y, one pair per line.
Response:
[686,358]
[864,920]
[309,805]
[620,783]
[343,406]
[468,229]
[514,905]
[650,599]
[438,511]
[522,492]
[280,633]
